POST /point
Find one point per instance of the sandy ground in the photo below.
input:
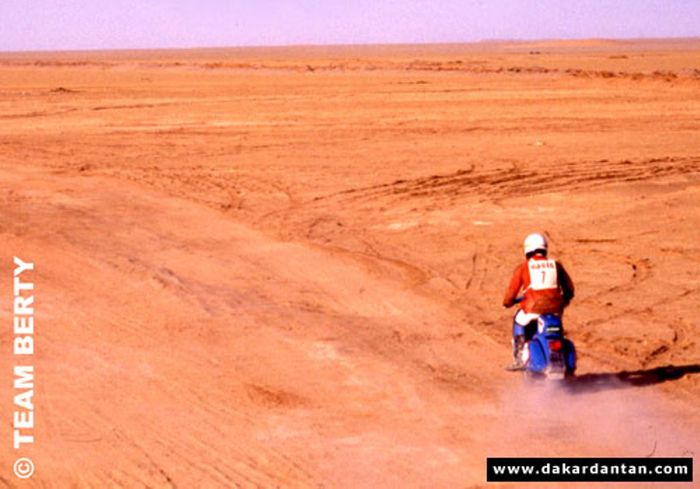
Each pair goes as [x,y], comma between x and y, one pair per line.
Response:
[284,267]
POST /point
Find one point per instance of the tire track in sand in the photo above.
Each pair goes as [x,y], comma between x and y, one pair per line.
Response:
[511,182]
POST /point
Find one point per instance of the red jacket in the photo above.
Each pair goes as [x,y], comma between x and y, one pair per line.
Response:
[548,288]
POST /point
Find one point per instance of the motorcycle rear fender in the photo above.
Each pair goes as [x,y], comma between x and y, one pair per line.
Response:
[538,355]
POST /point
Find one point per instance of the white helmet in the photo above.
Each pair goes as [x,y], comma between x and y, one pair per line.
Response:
[533,242]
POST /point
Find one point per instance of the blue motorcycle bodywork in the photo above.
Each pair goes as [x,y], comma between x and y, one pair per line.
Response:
[542,358]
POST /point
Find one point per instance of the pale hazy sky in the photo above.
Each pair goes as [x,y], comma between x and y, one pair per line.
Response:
[114,24]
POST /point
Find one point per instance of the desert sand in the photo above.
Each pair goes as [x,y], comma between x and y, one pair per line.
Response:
[283,267]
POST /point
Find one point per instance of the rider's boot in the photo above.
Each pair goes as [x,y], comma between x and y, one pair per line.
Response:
[518,342]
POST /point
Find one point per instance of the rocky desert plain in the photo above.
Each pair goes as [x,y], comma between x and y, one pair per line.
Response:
[284,267]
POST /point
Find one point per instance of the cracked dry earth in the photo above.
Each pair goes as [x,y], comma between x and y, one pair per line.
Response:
[284,267]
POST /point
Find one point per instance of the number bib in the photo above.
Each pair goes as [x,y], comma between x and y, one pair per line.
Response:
[543,274]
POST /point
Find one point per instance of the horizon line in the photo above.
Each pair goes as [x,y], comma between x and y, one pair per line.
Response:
[362,44]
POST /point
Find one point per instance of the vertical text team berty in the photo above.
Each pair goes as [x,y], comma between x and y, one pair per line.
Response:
[23,307]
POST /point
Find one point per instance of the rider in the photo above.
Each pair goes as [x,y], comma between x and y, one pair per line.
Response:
[548,290]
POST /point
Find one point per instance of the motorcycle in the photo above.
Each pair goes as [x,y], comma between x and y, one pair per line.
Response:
[547,352]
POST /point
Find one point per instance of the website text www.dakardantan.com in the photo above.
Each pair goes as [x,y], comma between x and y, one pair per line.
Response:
[589,470]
